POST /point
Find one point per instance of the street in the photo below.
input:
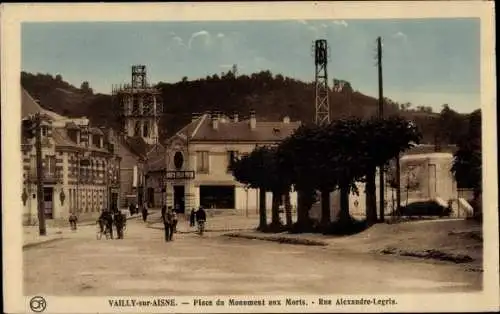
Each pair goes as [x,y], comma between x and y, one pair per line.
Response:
[143,264]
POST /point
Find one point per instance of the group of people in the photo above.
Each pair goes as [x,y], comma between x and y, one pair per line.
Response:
[169,217]
[115,217]
[134,209]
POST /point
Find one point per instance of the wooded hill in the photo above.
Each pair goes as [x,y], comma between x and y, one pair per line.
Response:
[271,96]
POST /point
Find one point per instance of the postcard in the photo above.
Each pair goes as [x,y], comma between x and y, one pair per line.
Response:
[249,157]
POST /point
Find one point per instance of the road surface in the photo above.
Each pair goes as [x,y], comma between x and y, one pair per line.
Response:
[143,264]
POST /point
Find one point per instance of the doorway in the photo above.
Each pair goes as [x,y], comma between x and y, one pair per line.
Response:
[179,203]
[48,203]
[151,197]
[114,200]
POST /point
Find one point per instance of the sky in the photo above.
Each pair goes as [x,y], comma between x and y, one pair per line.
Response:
[427,62]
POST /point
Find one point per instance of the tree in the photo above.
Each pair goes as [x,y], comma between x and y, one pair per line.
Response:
[260,170]
[381,141]
[300,155]
[451,125]
[322,158]
[467,162]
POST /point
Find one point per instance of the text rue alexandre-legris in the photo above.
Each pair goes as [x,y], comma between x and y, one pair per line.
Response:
[360,301]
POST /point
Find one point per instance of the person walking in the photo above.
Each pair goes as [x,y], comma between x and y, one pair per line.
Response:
[168,223]
[73,219]
[131,208]
[107,218]
[174,221]
[119,223]
[201,218]
[144,212]
[192,218]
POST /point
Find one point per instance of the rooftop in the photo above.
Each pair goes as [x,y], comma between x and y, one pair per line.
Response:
[224,129]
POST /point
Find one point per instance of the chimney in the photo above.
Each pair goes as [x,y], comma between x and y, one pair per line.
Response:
[215,121]
[195,116]
[286,119]
[235,117]
[253,119]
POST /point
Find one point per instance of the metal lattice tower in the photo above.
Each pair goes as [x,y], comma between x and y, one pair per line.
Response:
[140,106]
[139,76]
[322,100]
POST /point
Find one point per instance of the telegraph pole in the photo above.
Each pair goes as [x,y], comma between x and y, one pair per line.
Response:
[39,175]
[381,116]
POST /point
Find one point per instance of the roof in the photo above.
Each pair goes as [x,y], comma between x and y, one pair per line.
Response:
[228,130]
[61,138]
[29,106]
[430,149]
[156,158]
[139,147]
[433,156]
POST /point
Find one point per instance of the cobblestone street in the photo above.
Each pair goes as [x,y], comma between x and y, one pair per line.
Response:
[143,264]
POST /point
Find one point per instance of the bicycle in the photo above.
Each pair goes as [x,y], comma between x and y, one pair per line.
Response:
[102,229]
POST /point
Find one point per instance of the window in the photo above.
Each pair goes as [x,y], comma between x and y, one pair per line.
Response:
[202,162]
[33,165]
[96,140]
[72,135]
[145,129]
[178,160]
[51,165]
[231,158]
[137,129]
[44,131]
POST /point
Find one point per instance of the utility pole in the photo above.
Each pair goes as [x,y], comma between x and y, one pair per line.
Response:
[398,187]
[381,116]
[39,175]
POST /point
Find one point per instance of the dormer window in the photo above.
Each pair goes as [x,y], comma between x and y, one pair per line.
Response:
[44,131]
[96,140]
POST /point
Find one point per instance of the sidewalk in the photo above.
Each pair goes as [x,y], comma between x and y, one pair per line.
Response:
[451,240]
[31,236]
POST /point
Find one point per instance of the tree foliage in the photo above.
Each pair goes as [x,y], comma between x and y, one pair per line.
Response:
[260,170]
[467,163]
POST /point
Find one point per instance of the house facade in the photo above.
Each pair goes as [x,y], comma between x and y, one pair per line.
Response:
[425,176]
[81,174]
[197,158]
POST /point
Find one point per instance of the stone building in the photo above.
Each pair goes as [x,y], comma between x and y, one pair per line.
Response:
[198,155]
[425,177]
[137,142]
[81,174]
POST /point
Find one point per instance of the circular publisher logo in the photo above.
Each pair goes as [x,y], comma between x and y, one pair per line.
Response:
[38,304]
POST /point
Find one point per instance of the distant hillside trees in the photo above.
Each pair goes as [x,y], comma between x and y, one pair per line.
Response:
[271,95]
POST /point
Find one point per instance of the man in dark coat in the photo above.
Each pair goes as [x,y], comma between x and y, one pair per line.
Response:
[107,217]
[73,219]
[119,223]
[192,218]
[144,212]
[168,223]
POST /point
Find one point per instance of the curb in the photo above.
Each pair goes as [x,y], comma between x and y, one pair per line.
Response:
[35,244]
[281,240]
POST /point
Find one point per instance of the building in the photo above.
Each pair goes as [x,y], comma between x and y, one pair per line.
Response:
[80,171]
[197,159]
[425,176]
[140,109]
